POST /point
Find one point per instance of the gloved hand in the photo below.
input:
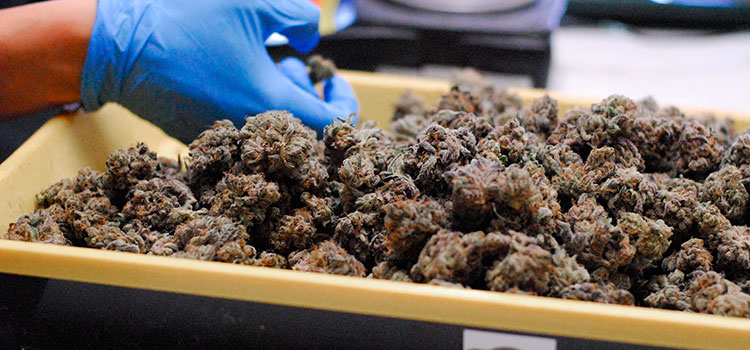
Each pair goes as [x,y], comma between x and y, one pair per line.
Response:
[183,65]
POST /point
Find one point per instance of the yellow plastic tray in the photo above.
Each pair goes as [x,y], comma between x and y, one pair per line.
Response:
[68,143]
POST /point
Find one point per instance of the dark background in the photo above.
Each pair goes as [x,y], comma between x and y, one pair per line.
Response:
[37,313]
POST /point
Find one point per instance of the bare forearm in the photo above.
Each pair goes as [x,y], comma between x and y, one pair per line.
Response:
[43,49]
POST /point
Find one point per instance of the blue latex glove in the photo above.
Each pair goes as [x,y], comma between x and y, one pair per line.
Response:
[183,64]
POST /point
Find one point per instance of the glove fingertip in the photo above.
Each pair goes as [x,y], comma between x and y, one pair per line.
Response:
[294,69]
[303,39]
[337,90]
[291,62]
[297,20]
[304,35]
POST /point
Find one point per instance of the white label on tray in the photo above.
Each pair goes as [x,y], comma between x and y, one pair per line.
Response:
[482,340]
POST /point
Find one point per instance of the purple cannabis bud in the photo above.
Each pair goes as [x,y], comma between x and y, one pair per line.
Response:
[599,292]
[409,224]
[726,190]
[691,256]
[43,226]
[214,238]
[246,198]
[296,231]
[319,68]
[457,257]
[327,257]
[159,203]
[215,151]
[126,167]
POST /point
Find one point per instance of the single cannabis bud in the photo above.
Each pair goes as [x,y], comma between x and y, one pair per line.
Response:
[215,151]
[601,164]
[567,272]
[669,292]
[656,139]
[459,101]
[361,234]
[699,151]
[148,234]
[270,259]
[126,167]
[159,203]
[728,243]
[469,79]
[296,231]
[500,104]
[522,198]
[437,150]
[726,190]
[394,187]
[406,129]
[386,271]
[616,105]
[459,258]
[597,244]
[474,186]
[109,236]
[712,293]
[675,203]
[326,257]
[370,144]
[59,192]
[650,238]
[599,292]
[554,158]
[527,267]
[409,104]
[84,210]
[409,224]
[582,128]
[628,190]
[214,238]
[320,68]
[320,208]
[574,178]
[732,248]
[277,144]
[724,129]
[76,205]
[508,144]
[541,117]
[338,138]
[478,125]
[43,226]
[246,198]
[165,246]
[359,176]
[690,257]
[738,153]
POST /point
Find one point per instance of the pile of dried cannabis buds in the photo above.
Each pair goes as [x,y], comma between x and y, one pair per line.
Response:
[621,202]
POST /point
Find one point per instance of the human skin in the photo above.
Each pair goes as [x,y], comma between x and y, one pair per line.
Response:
[44,47]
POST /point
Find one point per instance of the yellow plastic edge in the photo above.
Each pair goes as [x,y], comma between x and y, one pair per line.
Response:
[376,297]
[66,144]
[377,94]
